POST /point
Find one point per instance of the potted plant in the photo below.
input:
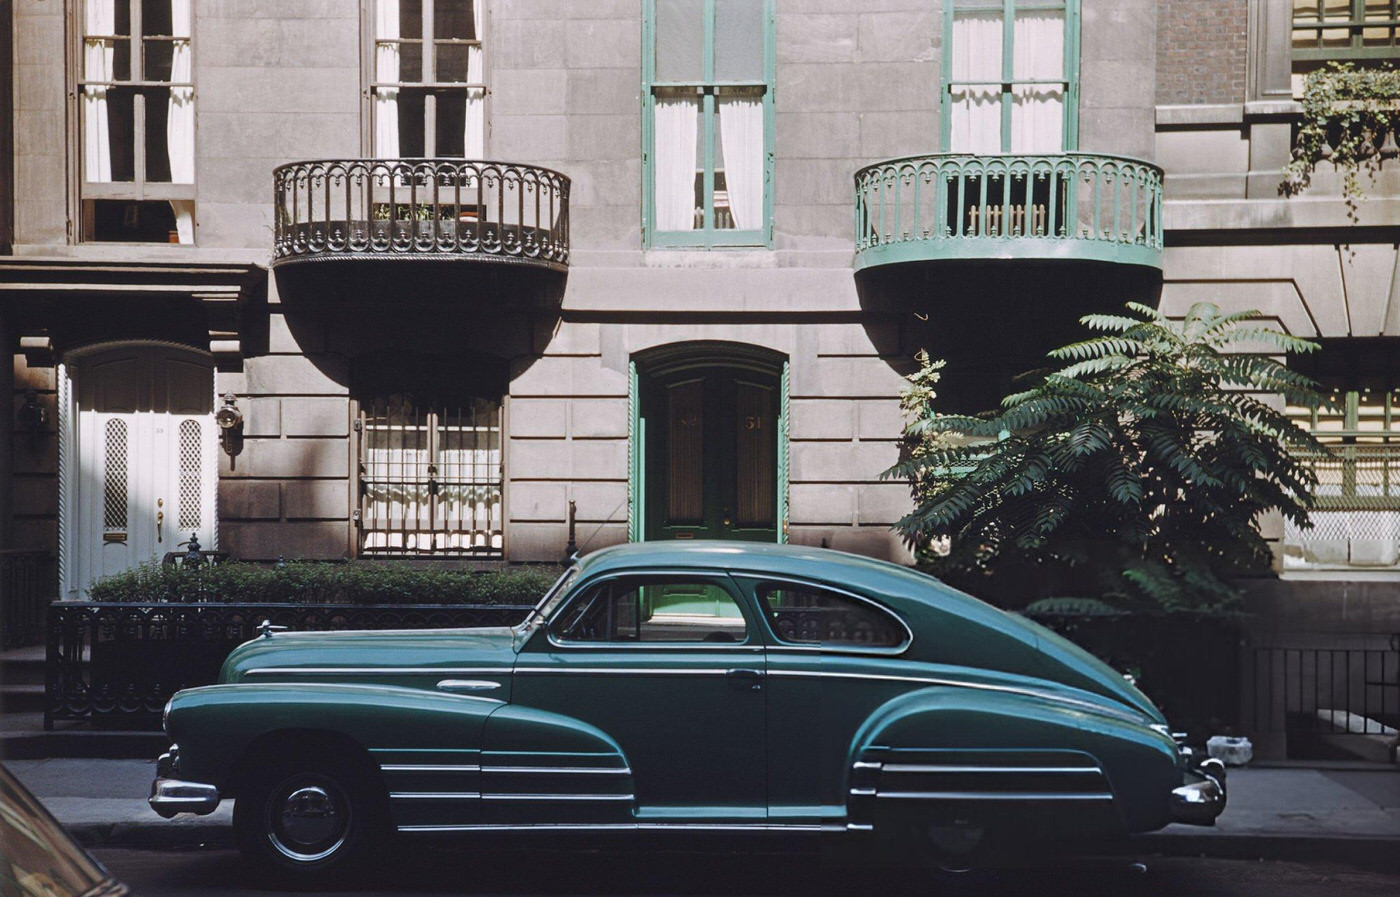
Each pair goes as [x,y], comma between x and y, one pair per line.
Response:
[1350,118]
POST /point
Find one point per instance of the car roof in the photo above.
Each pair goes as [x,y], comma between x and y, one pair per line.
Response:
[837,567]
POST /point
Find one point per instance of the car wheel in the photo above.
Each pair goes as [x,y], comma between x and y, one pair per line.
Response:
[306,820]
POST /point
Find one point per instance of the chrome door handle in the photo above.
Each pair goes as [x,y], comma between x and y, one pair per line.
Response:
[460,686]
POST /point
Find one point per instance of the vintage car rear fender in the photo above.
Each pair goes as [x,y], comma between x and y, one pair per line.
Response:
[958,728]
[215,725]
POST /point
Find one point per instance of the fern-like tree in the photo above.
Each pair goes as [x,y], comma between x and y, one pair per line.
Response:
[1136,473]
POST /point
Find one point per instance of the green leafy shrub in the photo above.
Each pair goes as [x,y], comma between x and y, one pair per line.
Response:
[1348,115]
[303,582]
[1135,474]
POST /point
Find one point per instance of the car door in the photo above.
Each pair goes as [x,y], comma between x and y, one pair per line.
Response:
[671,666]
[828,668]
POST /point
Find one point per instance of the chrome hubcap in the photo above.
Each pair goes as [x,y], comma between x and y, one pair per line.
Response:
[308,821]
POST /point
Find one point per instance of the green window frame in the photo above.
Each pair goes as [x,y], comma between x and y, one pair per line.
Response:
[1356,30]
[1009,84]
[708,88]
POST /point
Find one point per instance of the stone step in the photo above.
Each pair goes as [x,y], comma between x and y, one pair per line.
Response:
[22,666]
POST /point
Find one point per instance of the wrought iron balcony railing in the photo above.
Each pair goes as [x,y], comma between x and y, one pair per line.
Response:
[960,207]
[425,208]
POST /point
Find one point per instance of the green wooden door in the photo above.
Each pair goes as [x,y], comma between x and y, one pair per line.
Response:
[711,454]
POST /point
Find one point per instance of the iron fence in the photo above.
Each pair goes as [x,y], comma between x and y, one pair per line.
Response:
[1350,686]
[23,598]
[117,664]
[435,207]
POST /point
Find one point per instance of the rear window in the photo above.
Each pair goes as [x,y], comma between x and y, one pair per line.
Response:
[814,617]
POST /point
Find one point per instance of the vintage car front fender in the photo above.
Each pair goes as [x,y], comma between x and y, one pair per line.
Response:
[216,727]
[954,748]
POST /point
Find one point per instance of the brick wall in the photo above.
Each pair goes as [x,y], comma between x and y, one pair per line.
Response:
[1201,51]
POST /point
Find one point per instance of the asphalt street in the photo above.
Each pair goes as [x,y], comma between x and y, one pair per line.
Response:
[426,870]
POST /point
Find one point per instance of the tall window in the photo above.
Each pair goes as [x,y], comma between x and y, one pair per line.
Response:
[429,83]
[708,108]
[1358,30]
[1010,76]
[136,97]
[430,477]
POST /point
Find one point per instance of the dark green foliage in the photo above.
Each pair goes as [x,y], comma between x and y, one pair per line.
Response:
[1136,473]
[319,583]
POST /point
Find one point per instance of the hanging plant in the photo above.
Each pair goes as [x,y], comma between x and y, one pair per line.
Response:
[1350,118]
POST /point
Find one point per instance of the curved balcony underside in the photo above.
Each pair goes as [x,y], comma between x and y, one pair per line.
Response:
[960,208]
[437,213]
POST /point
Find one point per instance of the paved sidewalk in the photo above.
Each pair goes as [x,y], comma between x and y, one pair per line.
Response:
[1347,814]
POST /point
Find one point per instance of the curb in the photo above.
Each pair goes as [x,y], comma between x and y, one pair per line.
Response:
[1377,852]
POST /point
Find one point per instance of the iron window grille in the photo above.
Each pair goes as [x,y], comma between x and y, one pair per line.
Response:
[430,478]
[1357,30]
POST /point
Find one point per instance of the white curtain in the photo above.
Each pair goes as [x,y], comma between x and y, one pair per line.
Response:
[179,123]
[474,142]
[1038,110]
[676,124]
[98,57]
[741,137]
[386,69]
[976,106]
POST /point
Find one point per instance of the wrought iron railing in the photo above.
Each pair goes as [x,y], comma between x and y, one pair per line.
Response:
[442,208]
[1349,687]
[23,598]
[952,206]
[117,664]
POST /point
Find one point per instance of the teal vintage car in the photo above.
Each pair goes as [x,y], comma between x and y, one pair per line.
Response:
[684,686]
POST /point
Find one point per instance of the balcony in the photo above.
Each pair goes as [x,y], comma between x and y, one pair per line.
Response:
[420,255]
[426,209]
[960,208]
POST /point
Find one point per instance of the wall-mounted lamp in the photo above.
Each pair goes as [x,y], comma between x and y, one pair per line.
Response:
[32,417]
[230,421]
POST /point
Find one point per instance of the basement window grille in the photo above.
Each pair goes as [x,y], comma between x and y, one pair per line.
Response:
[430,478]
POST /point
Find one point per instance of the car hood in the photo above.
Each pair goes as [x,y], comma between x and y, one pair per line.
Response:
[371,653]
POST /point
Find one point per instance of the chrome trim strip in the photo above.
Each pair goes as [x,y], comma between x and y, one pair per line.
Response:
[426,767]
[866,764]
[859,827]
[1016,770]
[863,792]
[624,671]
[629,827]
[435,795]
[385,671]
[567,770]
[994,795]
[589,797]
[957,683]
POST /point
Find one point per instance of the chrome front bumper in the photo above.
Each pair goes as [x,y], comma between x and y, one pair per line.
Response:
[1202,798]
[170,795]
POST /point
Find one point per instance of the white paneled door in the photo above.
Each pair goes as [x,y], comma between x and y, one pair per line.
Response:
[146,458]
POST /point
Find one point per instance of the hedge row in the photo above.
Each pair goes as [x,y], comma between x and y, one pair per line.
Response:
[320,583]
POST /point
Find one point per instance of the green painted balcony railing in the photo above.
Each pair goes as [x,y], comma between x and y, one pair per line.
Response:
[952,207]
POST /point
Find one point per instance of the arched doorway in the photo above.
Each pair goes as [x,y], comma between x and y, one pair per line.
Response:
[139,462]
[709,443]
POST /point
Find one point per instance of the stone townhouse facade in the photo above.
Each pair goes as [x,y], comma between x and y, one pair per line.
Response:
[681,302]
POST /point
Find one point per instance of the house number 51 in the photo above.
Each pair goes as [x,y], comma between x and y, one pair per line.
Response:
[753,422]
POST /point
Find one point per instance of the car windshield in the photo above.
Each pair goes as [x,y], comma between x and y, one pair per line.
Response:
[551,599]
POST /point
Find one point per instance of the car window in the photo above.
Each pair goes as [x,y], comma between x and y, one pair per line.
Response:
[809,616]
[652,610]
